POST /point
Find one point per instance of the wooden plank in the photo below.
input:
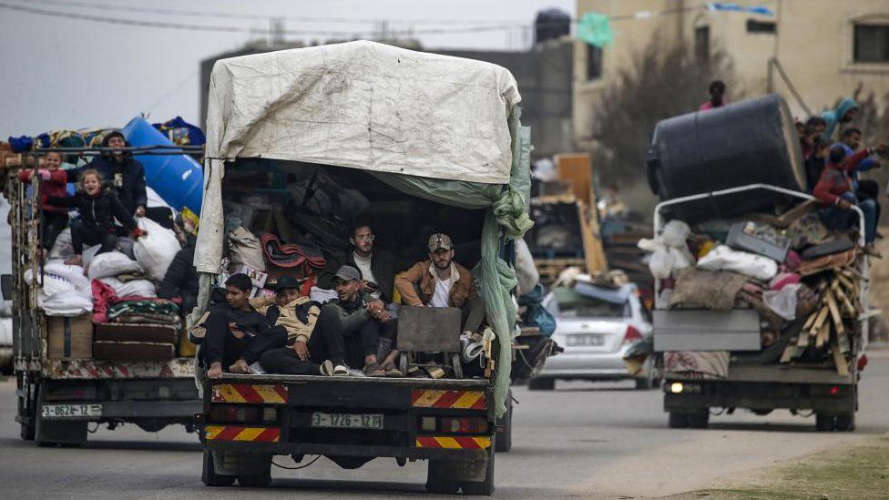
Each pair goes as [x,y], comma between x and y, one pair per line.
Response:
[593,251]
[810,321]
[822,316]
[839,360]
[823,336]
[788,351]
[577,168]
[835,313]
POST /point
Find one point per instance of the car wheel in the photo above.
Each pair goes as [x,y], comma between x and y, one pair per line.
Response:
[541,384]
[845,422]
[824,423]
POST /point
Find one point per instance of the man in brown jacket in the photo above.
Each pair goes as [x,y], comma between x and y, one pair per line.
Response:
[441,282]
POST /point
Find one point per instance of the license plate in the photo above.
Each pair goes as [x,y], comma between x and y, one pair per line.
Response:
[347,420]
[586,339]
[71,411]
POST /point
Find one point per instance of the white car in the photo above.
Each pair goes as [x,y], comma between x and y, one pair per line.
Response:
[596,326]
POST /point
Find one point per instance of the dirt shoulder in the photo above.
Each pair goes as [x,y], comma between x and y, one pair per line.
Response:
[856,472]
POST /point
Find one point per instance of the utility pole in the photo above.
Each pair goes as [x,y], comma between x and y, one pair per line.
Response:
[276,31]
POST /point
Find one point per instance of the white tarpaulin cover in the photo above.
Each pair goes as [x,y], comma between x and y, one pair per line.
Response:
[365,105]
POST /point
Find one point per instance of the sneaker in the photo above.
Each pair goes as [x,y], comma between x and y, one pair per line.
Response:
[327,368]
[341,371]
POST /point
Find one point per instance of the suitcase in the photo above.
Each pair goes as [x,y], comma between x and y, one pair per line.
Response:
[133,351]
[137,332]
[70,338]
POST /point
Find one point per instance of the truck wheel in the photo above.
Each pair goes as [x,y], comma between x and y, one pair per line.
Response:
[256,480]
[485,487]
[209,476]
[541,384]
[647,380]
[503,441]
[824,423]
[845,422]
[678,420]
[699,420]
[438,480]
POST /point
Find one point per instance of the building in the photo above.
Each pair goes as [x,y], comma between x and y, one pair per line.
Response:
[543,74]
[826,48]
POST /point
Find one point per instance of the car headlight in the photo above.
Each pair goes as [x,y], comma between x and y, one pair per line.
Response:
[676,387]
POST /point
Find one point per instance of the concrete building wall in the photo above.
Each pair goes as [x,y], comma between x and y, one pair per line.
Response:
[814,42]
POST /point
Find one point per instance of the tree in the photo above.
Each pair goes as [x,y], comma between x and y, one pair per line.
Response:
[664,80]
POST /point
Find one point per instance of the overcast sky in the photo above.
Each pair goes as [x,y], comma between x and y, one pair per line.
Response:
[69,72]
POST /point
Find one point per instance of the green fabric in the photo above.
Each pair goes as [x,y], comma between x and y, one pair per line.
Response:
[595,29]
[507,215]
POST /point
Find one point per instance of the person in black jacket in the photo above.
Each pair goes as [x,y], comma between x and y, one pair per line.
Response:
[181,279]
[377,266]
[98,208]
[121,171]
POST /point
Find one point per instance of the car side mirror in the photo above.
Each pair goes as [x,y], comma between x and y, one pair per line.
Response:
[6,286]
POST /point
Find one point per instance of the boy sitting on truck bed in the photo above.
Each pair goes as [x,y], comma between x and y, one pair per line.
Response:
[297,316]
[237,335]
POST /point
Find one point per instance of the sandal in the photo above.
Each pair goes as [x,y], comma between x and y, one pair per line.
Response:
[374,370]
[392,371]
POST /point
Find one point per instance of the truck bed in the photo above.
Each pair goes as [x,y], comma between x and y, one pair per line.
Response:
[775,373]
[443,383]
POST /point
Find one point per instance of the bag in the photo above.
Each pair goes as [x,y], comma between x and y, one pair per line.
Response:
[723,258]
[155,251]
[62,248]
[245,249]
[291,255]
[108,264]
[134,288]
[198,332]
[65,304]
[73,274]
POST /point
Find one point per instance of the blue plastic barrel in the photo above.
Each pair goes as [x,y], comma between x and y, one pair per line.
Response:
[178,179]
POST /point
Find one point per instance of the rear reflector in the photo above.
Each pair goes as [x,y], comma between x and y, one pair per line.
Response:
[463,425]
[233,414]
[632,335]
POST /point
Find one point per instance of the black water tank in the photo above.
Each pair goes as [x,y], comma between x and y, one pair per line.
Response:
[748,142]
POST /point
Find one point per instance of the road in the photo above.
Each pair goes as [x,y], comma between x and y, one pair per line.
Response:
[579,441]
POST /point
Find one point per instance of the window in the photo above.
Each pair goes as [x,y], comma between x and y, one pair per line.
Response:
[702,43]
[754,26]
[576,305]
[593,62]
[871,43]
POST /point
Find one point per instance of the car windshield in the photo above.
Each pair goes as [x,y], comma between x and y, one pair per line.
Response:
[572,303]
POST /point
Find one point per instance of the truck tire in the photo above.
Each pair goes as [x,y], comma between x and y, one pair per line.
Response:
[541,384]
[678,420]
[845,422]
[699,420]
[209,476]
[438,480]
[503,442]
[26,413]
[261,480]
[485,487]
[824,423]
[647,380]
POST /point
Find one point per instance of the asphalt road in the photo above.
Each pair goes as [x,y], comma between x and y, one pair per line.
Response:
[580,441]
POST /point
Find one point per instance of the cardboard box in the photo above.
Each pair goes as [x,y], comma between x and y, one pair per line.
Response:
[70,338]
[257,277]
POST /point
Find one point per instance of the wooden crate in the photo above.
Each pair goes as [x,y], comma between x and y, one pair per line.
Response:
[69,338]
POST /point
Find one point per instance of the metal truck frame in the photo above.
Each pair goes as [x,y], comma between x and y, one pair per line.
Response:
[58,398]
[831,397]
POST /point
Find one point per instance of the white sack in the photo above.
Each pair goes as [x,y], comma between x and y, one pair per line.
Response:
[62,248]
[675,233]
[88,254]
[723,258]
[783,301]
[140,288]
[322,295]
[108,264]
[155,251]
[65,304]
[6,332]
[661,263]
[525,270]
[52,284]
[74,274]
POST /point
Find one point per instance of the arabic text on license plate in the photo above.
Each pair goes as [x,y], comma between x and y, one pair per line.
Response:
[347,420]
[71,411]
[586,339]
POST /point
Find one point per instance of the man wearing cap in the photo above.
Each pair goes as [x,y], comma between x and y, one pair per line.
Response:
[297,316]
[237,334]
[441,282]
[350,325]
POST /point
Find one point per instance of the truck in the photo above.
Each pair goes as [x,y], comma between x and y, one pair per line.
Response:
[61,387]
[785,374]
[427,142]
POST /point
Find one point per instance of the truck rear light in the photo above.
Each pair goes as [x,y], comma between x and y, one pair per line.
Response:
[427,424]
[683,388]
[463,425]
[834,390]
[631,336]
[235,414]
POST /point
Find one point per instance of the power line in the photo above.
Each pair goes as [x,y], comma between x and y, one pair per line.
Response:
[236,15]
[239,29]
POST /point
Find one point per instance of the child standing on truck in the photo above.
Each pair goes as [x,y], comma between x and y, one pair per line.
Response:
[54,182]
[98,208]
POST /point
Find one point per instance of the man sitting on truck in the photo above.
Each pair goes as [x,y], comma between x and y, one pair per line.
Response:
[237,334]
[376,265]
[835,192]
[441,282]
[350,325]
[297,316]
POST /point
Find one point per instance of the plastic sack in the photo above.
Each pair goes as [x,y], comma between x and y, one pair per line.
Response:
[661,263]
[110,264]
[74,274]
[65,304]
[134,288]
[89,253]
[675,233]
[783,301]
[244,249]
[62,248]
[52,284]
[723,258]
[525,270]
[155,251]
